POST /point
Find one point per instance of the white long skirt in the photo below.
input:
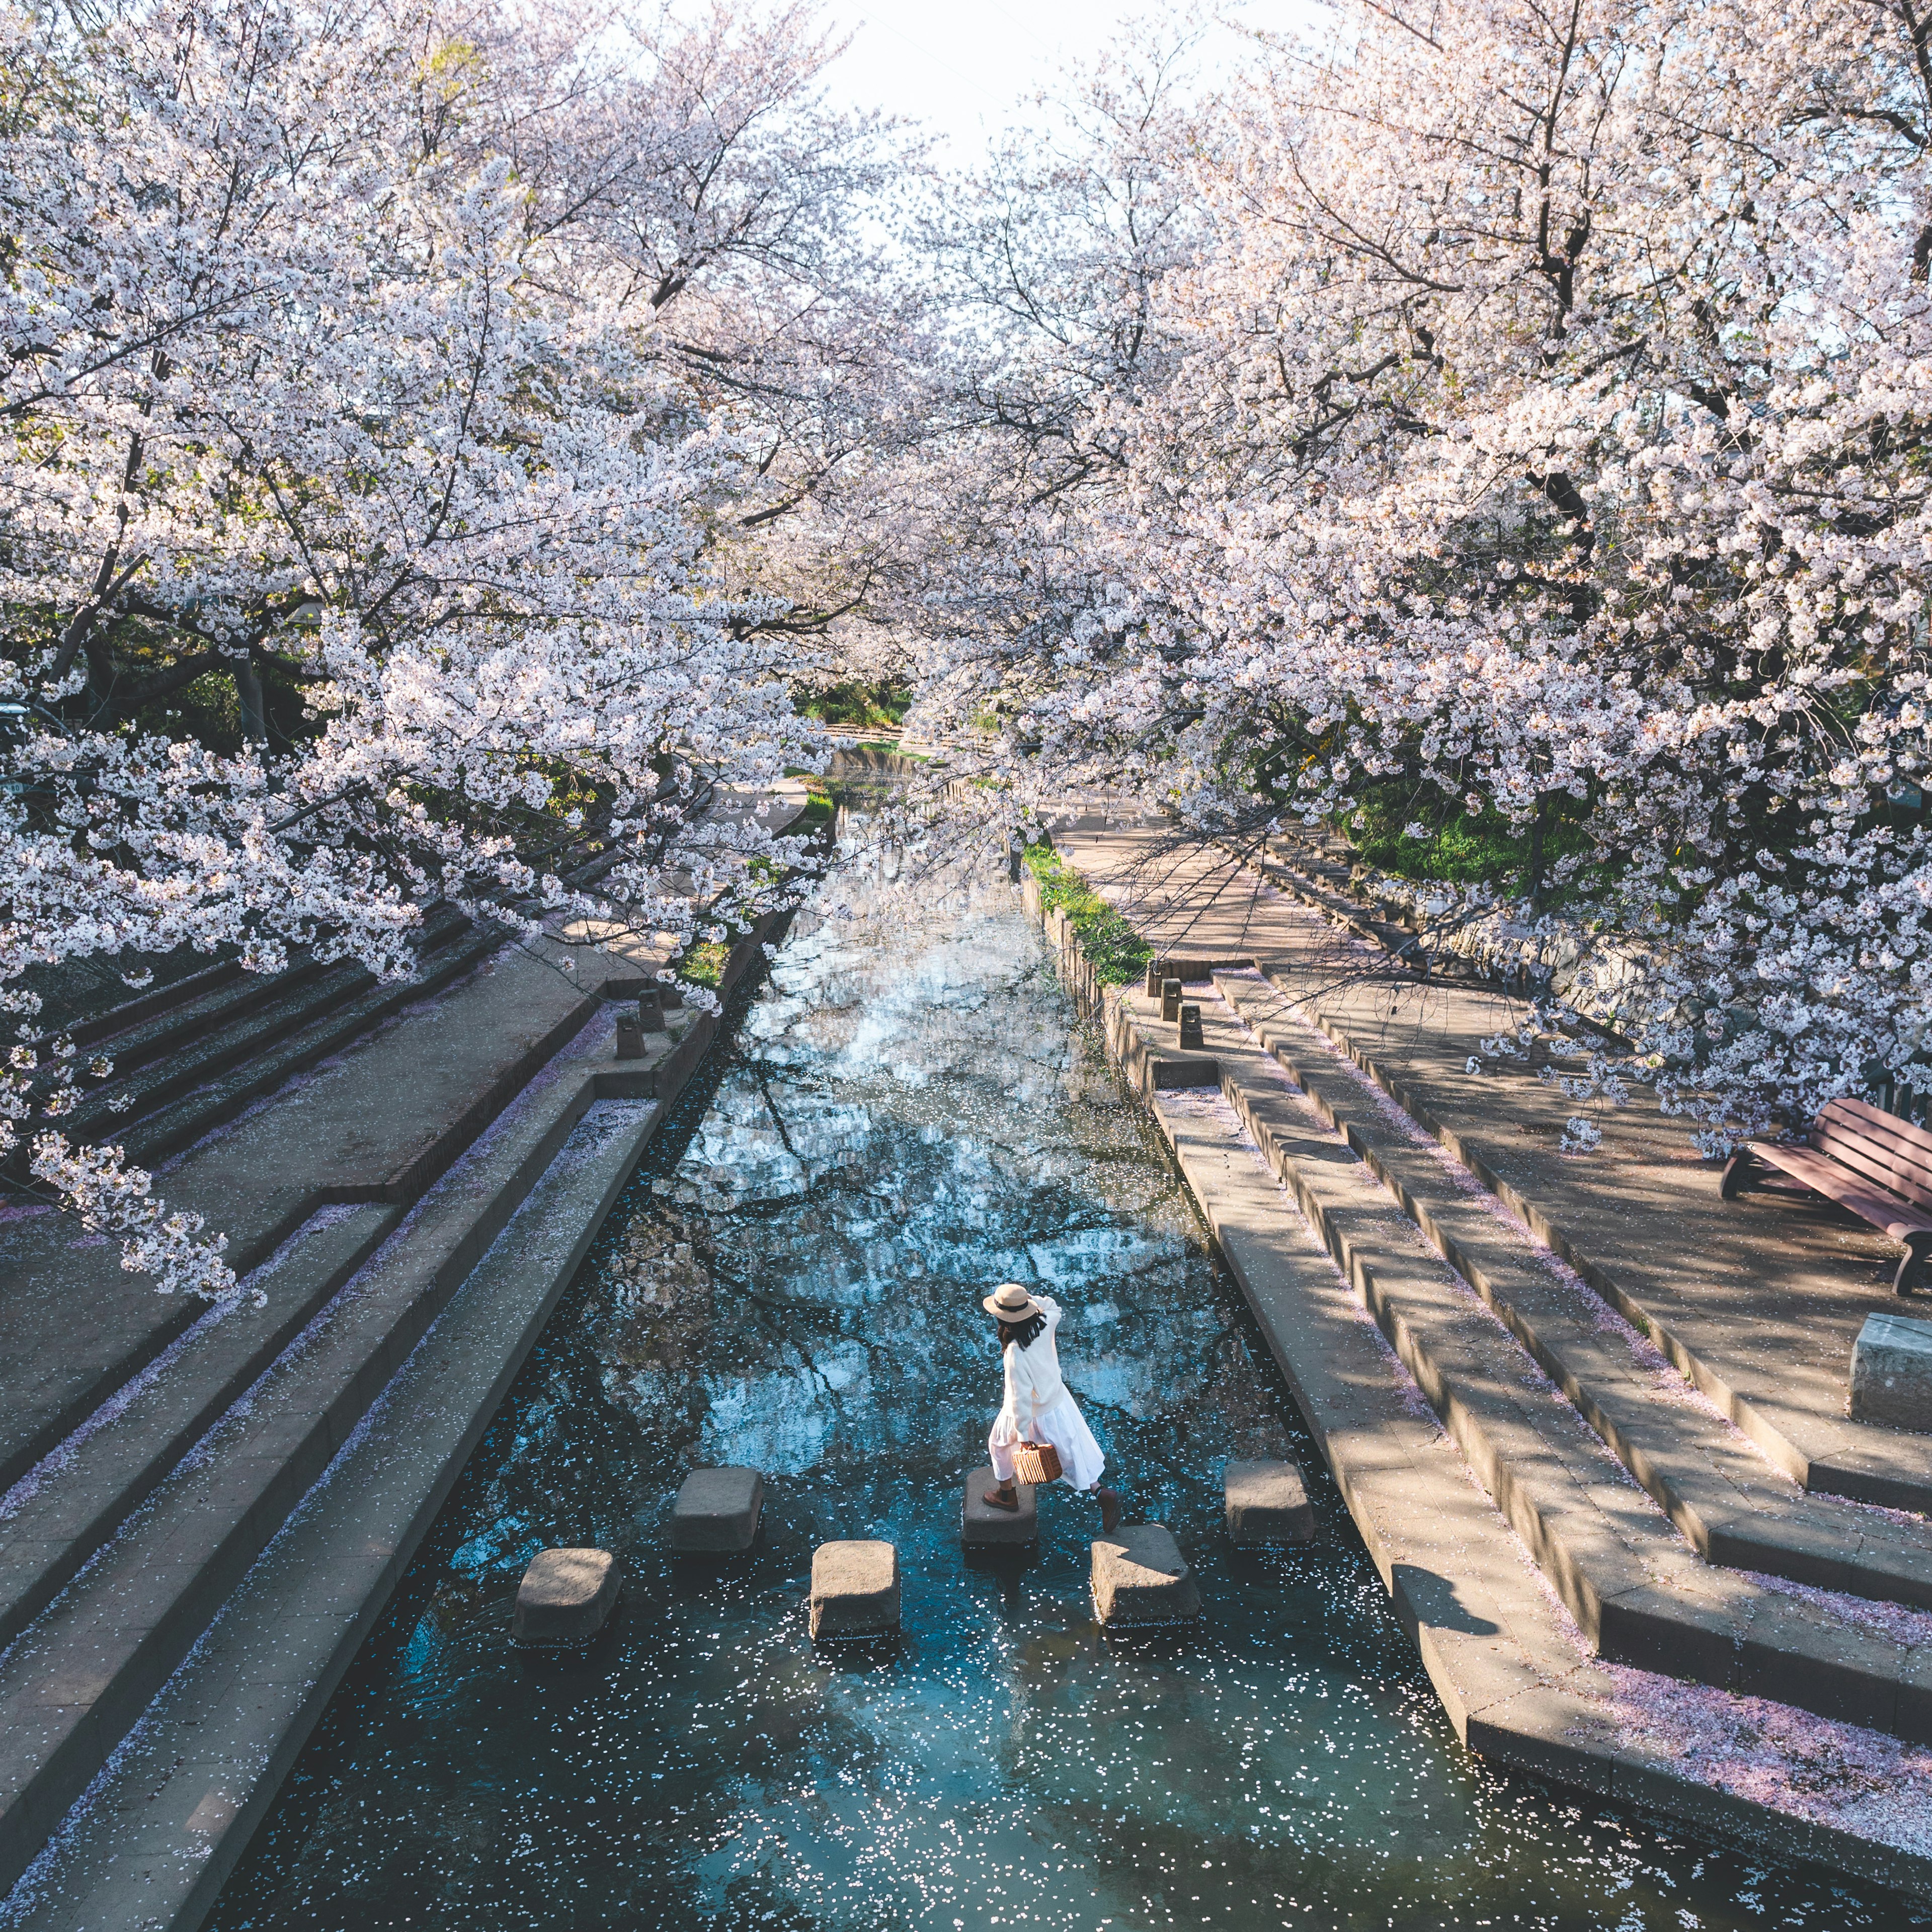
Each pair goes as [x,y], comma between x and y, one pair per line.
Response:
[1063,1425]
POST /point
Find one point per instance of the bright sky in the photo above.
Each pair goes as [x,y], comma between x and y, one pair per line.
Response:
[961,67]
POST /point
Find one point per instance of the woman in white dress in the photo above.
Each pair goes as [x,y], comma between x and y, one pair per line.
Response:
[1038,1408]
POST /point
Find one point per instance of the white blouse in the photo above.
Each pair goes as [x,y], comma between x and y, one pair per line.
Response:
[1033,1385]
[1040,1407]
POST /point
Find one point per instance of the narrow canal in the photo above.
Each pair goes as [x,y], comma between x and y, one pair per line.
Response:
[902,1118]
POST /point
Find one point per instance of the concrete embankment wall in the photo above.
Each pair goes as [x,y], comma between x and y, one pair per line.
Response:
[860,764]
[1505,1660]
[1076,974]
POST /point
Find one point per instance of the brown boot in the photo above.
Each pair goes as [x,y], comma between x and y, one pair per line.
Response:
[1003,1497]
[1110,1511]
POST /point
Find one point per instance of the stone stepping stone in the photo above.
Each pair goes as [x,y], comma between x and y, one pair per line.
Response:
[855,1590]
[565,1598]
[1891,1373]
[717,1512]
[1267,1502]
[1140,1577]
[982,1526]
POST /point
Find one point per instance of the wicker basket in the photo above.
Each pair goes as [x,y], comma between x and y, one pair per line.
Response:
[1036,1463]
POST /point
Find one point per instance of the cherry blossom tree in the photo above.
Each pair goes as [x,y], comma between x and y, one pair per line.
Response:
[428,370]
[1516,417]
[1545,439]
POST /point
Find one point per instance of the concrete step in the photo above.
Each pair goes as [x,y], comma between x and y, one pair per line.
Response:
[1747,1355]
[1507,1662]
[378,1125]
[164,1827]
[1332,899]
[88,999]
[1780,1380]
[79,1675]
[287,1040]
[1734,1507]
[1510,1676]
[89,1486]
[236,1021]
[225,1032]
[1638,1593]
[195,1009]
[503,1068]
[226,996]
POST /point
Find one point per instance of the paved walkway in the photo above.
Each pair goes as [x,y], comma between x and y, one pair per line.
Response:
[1758,1300]
[1705,1636]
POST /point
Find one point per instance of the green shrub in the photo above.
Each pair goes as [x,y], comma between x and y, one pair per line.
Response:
[704,965]
[1116,952]
[857,702]
[821,806]
[1465,851]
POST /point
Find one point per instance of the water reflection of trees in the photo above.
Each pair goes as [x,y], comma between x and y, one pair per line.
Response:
[911,1116]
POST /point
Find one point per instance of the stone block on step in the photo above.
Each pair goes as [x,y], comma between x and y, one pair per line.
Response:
[716,1513]
[630,1037]
[855,1590]
[565,1598]
[650,1011]
[981,1523]
[1891,1373]
[1190,1027]
[1140,1577]
[1170,999]
[1267,1502]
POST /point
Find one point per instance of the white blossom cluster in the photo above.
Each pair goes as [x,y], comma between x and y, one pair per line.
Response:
[1523,411]
[113,1198]
[452,367]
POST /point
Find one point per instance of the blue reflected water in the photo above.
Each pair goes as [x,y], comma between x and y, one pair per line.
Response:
[904,1117]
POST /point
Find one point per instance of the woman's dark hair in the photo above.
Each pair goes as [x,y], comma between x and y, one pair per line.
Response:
[1021,1332]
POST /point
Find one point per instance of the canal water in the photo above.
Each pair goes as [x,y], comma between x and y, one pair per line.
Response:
[903,1115]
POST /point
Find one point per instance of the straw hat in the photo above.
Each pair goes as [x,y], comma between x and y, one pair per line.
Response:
[1010,1302]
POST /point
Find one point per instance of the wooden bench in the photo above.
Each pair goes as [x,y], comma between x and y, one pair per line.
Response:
[1875,1165]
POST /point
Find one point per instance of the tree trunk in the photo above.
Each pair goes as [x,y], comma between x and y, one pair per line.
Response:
[1536,855]
[248,689]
